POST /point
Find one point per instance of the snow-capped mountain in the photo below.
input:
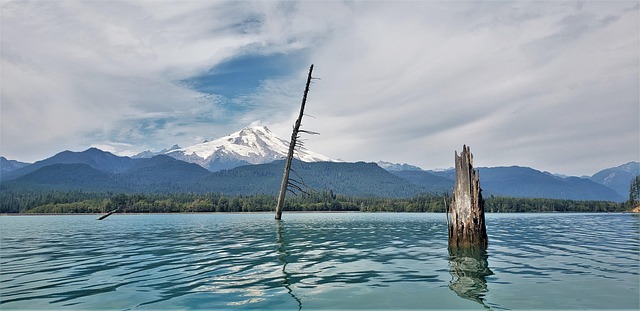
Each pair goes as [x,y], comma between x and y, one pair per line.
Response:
[397,166]
[150,154]
[251,145]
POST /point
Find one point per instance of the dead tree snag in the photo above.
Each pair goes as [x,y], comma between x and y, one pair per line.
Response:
[465,216]
[286,182]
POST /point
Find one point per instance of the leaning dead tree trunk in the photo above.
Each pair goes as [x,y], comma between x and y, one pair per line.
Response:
[107,214]
[292,145]
[465,216]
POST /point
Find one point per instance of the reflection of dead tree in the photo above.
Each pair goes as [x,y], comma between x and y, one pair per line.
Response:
[469,268]
[282,256]
[289,184]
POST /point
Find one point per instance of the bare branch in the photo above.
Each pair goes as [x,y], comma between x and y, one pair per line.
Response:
[297,188]
[309,132]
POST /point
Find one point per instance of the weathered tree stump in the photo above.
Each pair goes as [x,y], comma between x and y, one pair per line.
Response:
[465,215]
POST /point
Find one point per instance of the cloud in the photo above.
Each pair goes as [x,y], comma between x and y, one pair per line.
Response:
[546,84]
[78,71]
[414,81]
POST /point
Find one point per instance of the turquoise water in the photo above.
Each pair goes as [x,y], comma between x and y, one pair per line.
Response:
[316,261]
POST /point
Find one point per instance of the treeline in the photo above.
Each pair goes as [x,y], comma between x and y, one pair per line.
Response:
[92,202]
[540,205]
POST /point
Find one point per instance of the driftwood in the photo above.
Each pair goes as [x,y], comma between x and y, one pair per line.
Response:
[286,182]
[465,216]
[107,214]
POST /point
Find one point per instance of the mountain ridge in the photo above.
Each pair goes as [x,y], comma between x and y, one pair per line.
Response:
[7,165]
[98,170]
[164,174]
[397,166]
[93,157]
[248,151]
[524,182]
[618,178]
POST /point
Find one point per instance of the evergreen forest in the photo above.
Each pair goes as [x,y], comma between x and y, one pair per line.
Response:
[54,202]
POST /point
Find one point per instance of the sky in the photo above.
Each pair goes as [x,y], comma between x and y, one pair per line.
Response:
[551,85]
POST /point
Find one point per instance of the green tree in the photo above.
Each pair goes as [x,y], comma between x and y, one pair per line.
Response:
[634,193]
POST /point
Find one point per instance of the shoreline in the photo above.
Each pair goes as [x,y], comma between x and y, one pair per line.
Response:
[292,212]
[189,213]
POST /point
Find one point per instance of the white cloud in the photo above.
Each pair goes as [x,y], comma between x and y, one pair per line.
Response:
[409,88]
[76,71]
[528,83]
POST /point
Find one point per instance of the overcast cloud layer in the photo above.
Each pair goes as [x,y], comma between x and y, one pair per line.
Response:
[551,85]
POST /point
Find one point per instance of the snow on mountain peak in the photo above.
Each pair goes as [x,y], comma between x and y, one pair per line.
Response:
[251,145]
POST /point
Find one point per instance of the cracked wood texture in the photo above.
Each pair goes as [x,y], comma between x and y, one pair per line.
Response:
[465,215]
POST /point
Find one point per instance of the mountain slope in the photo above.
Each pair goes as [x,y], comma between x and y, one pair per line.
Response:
[100,160]
[158,174]
[96,170]
[251,145]
[391,167]
[65,177]
[618,178]
[357,179]
[150,154]
[7,165]
[433,183]
[525,182]
[163,174]
[529,183]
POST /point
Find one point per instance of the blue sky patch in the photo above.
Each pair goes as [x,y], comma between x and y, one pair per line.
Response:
[242,75]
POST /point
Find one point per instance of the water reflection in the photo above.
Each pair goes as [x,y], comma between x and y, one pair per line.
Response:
[322,261]
[282,257]
[469,268]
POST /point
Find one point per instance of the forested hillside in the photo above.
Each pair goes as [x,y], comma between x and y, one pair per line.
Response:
[93,202]
[163,174]
[94,170]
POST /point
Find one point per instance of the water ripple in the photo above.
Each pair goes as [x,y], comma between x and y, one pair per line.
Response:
[214,261]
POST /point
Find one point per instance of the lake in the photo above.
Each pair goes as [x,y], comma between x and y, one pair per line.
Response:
[316,261]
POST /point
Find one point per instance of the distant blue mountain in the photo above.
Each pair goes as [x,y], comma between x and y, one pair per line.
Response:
[65,177]
[100,160]
[161,174]
[529,183]
[96,170]
[394,167]
[432,182]
[355,179]
[618,178]
[525,182]
[10,165]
